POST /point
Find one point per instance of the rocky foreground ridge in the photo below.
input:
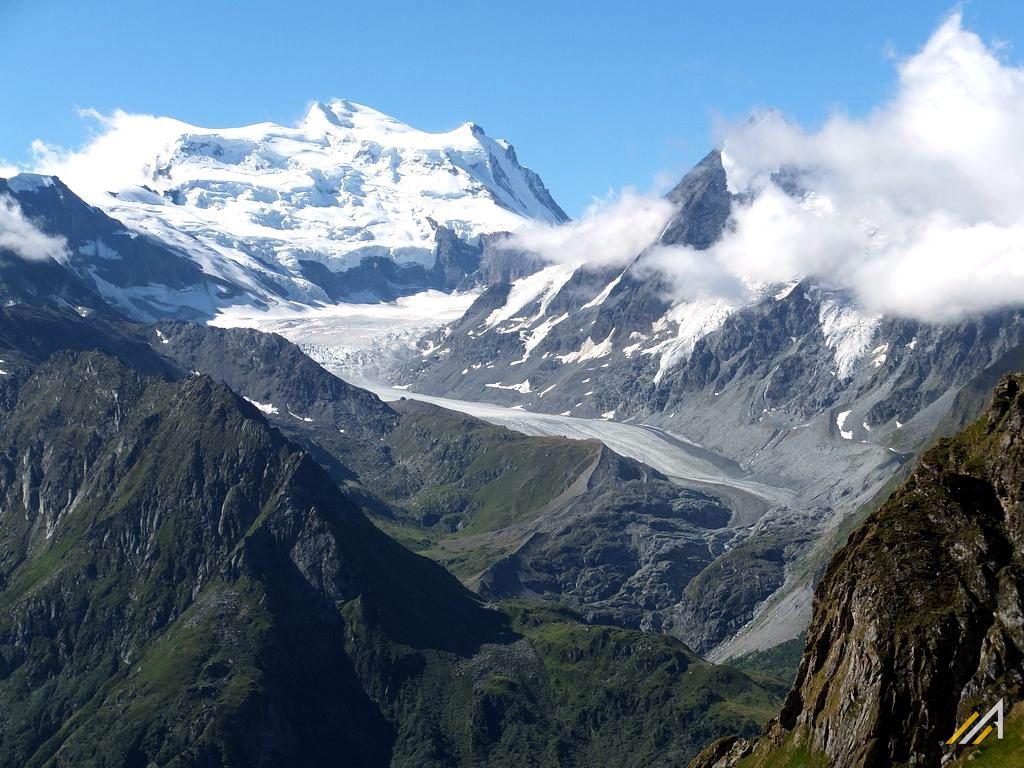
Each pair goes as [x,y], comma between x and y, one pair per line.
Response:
[919,620]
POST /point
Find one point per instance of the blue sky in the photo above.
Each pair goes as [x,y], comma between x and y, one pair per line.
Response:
[596,96]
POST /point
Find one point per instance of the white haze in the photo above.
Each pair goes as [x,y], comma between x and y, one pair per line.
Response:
[917,208]
[611,232]
[119,154]
[21,237]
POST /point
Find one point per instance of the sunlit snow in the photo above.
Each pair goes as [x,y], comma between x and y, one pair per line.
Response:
[841,422]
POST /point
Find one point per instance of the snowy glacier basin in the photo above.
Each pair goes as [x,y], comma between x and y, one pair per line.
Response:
[354,339]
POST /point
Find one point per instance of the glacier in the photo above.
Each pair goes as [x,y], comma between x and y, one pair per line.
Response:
[252,205]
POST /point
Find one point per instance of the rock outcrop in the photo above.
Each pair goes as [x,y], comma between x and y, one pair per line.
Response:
[919,619]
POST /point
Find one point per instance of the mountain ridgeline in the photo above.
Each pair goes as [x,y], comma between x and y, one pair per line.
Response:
[350,204]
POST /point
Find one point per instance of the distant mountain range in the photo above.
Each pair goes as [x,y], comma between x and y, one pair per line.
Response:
[350,204]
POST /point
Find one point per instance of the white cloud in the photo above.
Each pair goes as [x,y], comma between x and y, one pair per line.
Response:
[916,208]
[611,232]
[23,238]
[120,154]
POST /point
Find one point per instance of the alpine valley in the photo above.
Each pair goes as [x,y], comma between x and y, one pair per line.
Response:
[308,460]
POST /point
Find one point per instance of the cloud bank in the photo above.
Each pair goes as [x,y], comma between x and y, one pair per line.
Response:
[119,154]
[22,238]
[917,208]
[610,233]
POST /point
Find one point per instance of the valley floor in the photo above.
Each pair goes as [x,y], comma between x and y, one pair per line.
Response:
[364,343]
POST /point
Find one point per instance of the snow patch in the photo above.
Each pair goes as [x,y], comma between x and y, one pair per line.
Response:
[546,390]
[693,321]
[604,294]
[879,355]
[535,336]
[541,286]
[848,333]
[589,350]
[268,408]
[841,422]
[786,290]
[522,388]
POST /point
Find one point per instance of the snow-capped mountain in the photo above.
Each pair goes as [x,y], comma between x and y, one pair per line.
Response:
[584,341]
[279,211]
[796,383]
[93,262]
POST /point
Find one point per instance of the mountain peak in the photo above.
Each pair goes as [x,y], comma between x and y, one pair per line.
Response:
[321,115]
[346,183]
[30,182]
[344,114]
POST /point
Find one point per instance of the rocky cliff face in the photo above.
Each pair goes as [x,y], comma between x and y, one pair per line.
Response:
[918,619]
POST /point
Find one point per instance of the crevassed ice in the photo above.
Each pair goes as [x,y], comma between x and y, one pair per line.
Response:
[848,332]
[345,183]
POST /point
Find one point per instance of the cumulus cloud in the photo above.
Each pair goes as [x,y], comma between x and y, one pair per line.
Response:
[21,237]
[118,155]
[611,232]
[916,208]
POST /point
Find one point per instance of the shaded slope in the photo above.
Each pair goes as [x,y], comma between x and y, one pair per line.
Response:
[566,520]
[181,585]
[171,511]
